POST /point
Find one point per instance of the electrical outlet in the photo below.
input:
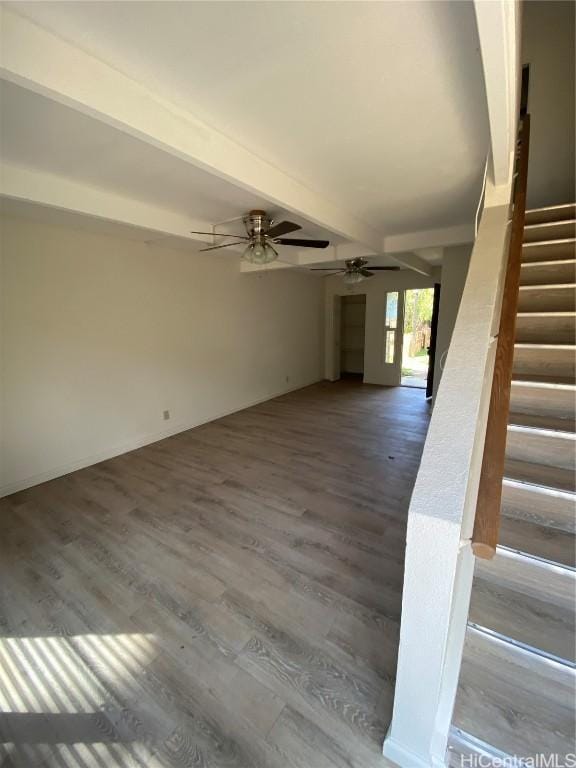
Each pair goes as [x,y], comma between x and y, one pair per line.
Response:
[165,415]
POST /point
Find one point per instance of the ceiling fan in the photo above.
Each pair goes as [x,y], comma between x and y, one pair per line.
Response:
[261,237]
[355,270]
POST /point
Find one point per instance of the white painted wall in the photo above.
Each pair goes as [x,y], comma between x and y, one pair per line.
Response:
[453,277]
[548,46]
[101,334]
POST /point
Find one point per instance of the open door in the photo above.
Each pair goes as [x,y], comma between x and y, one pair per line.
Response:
[433,336]
[392,342]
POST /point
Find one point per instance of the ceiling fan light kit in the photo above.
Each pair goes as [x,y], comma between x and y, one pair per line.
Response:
[261,237]
[259,253]
[352,278]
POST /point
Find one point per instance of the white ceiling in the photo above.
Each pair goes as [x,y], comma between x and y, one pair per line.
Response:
[377,106]
[38,133]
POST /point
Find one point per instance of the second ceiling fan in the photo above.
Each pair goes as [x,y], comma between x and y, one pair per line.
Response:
[355,270]
[261,237]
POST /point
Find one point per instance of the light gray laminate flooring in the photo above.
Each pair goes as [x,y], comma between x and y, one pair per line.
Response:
[228,597]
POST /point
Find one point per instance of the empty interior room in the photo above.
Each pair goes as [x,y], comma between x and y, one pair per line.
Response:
[287,384]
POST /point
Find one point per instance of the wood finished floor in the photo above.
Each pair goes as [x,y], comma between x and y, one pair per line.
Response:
[228,597]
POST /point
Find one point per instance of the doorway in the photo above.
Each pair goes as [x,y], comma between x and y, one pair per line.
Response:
[352,333]
[418,342]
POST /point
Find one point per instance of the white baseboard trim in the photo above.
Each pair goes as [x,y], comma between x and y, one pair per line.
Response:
[132,444]
[405,758]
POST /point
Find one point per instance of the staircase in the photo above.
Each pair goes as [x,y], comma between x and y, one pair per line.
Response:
[517,683]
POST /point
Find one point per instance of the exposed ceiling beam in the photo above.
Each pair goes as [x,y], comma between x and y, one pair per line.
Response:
[430,238]
[54,191]
[339,252]
[48,190]
[433,254]
[41,62]
[414,262]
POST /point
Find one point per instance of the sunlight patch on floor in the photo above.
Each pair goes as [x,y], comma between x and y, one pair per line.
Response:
[62,699]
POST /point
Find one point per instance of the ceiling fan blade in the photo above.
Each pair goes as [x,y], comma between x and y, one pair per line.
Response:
[219,234]
[302,243]
[366,273]
[282,228]
[326,269]
[225,245]
[390,269]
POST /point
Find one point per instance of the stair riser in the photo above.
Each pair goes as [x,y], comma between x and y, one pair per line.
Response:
[558,230]
[543,401]
[538,299]
[548,273]
[546,330]
[553,213]
[549,251]
[536,361]
[539,506]
[541,448]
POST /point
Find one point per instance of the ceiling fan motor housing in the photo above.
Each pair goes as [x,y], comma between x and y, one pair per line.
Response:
[357,263]
[261,235]
[257,223]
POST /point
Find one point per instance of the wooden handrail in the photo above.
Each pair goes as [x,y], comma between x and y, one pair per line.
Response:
[487,522]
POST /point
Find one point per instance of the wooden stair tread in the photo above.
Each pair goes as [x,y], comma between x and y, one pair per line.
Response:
[551,213]
[537,504]
[543,345]
[549,250]
[528,265]
[556,360]
[523,617]
[548,313]
[546,326]
[552,582]
[540,474]
[519,702]
[548,297]
[541,445]
[552,241]
[546,272]
[544,381]
[543,395]
[549,230]
[538,540]
[552,423]
[547,287]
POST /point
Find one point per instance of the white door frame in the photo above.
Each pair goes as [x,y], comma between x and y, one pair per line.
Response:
[391,373]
